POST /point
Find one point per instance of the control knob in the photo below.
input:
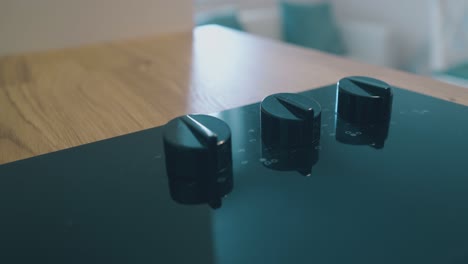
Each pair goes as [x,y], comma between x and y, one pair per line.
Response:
[289,120]
[364,100]
[198,159]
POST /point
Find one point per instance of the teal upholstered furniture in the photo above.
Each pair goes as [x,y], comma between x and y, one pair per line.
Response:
[459,71]
[311,25]
[225,18]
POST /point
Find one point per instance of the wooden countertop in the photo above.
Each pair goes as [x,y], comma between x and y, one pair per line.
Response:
[60,99]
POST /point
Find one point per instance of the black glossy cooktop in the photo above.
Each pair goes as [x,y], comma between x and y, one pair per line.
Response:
[398,196]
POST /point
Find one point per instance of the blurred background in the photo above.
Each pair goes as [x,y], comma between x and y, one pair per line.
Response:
[428,37]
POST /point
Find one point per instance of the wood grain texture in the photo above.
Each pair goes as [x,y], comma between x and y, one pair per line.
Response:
[60,99]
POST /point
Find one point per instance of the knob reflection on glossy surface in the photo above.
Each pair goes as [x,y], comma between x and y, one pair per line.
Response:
[290,120]
[300,159]
[198,159]
[373,135]
[364,100]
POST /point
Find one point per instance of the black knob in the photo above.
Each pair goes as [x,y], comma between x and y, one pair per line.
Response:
[198,159]
[289,120]
[364,100]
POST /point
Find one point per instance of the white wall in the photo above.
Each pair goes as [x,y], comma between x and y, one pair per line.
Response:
[30,25]
[207,5]
[408,20]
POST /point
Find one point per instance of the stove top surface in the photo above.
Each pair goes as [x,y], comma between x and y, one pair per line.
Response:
[396,194]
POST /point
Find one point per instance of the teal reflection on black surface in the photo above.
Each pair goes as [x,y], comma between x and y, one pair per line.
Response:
[109,202]
[106,202]
[405,203]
